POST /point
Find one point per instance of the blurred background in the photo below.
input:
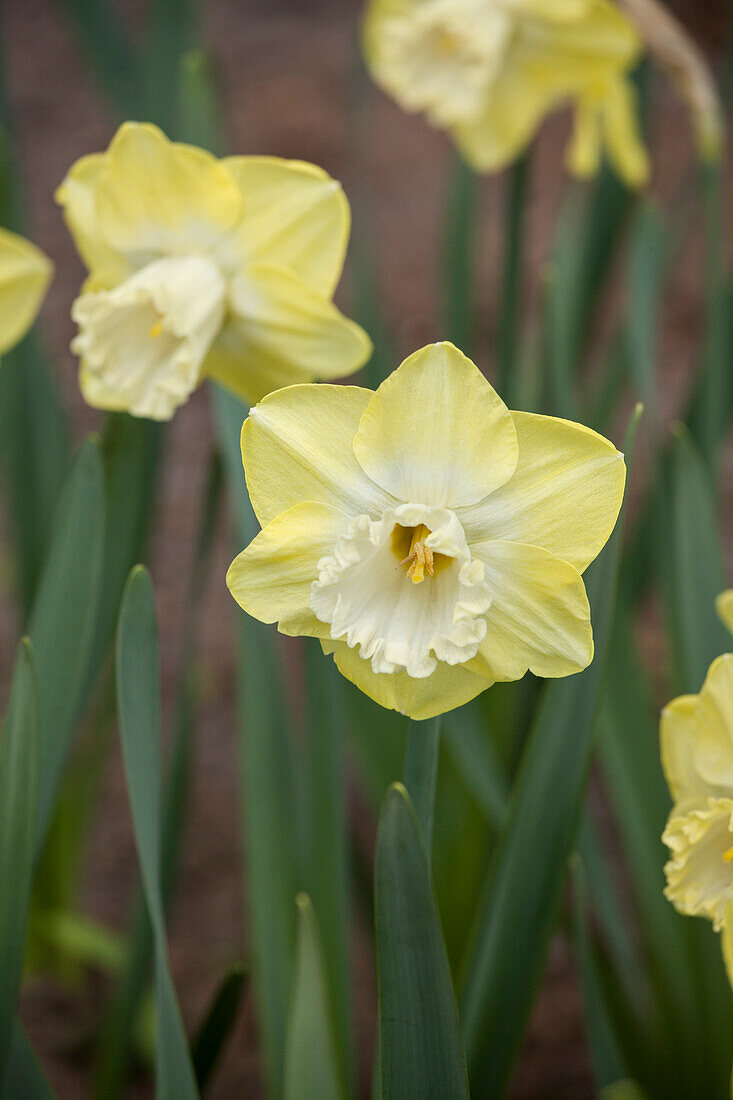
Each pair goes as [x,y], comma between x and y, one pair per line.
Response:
[292,85]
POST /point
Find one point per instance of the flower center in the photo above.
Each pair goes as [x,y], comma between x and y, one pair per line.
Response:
[361,592]
[146,339]
[419,558]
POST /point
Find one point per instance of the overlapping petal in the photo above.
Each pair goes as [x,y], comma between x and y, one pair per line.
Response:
[448,687]
[724,608]
[677,733]
[539,618]
[24,276]
[713,753]
[156,197]
[272,578]
[77,195]
[296,445]
[565,494]
[293,215]
[436,433]
[281,332]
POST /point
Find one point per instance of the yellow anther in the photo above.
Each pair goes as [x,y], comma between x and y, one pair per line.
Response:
[728,856]
[420,558]
[156,330]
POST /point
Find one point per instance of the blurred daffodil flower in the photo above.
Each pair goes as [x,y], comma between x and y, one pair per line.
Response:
[490,70]
[204,267]
[696,735]
[433,540]
[24,277]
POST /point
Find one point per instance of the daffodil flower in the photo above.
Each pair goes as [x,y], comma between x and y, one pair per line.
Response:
[24,277]
[204,267]
[490,70]
[696,735]
[431,539]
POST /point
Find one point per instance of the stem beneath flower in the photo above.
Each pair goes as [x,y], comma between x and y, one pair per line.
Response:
[421,772]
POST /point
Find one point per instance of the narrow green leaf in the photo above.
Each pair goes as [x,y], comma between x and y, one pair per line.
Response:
[508,338]
[217,1026]
[19,752]
[459,255]
[328,872]
[35,452]
[605,1051]
[138,703]
[698,573]
[649,250]
[523,890]
[468,740]
[131,449]
[24,1077]
[311,1066]
[711,409]
[421,773]
[419,1031]
[63,621]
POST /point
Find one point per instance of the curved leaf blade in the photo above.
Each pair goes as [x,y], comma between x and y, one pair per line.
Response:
[138,704]
[419,1031]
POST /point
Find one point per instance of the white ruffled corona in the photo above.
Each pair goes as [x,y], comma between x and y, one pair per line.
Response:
[146,339]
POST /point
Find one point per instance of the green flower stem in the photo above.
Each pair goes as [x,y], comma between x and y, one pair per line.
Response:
[508,325]
[421,772]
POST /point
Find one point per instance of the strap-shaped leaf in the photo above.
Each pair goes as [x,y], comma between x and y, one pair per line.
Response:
[18,793]
[419,1031]
[138,704]
[63,622]
[311,1067]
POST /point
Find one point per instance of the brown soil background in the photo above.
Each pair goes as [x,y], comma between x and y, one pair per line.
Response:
[286,71]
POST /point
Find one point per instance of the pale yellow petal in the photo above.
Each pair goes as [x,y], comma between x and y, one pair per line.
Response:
[554,59]
[677,735]
[622,136]
[724,607]
[565,494]
[280,332]
[713,752]
[448,687]
[77,196]
[294,215]
[539,618]
[513,110]
[296,445]
[584,151]
[272,578]
[156,197]
[435,432]
[97,393]
[24,276]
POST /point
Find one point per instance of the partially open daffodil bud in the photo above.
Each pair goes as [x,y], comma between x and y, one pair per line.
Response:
[696,735]
[204,267]
[25,273]
[433,540]
[490,70]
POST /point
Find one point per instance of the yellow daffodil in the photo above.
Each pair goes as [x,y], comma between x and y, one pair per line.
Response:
[24,276]
[696,735]
[490,70]
[204,267]
[433,540]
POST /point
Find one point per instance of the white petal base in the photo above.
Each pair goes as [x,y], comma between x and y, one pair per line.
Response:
[144,342]
[364,593]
